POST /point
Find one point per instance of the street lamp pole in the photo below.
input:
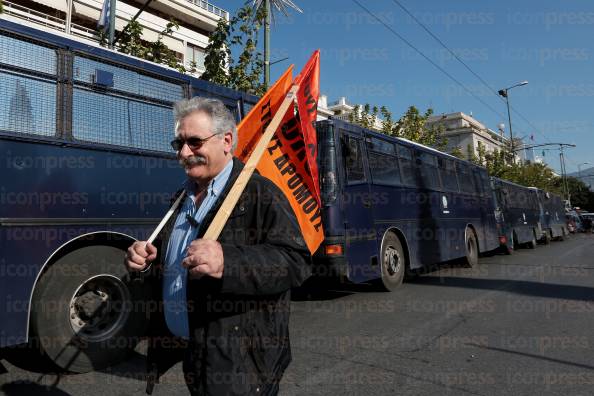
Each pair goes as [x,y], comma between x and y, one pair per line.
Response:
[503,92]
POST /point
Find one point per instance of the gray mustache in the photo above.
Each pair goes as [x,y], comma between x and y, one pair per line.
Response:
[193,160]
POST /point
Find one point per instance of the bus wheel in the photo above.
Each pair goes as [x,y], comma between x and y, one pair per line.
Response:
[547,238]
[87,314]
[393,263]
[471,258]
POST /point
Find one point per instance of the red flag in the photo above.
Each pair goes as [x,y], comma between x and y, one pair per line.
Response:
[307,105]
[289,160]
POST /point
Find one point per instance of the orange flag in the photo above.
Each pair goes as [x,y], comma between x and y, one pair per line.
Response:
[252,126]
[289,161]
[307,104]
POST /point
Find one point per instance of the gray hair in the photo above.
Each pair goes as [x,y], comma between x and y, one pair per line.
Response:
[222,119]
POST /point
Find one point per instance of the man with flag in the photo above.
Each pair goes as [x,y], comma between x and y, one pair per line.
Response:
[226,295]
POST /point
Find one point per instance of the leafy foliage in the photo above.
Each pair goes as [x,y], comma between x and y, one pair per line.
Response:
[411,126]
[457,152]
[239,34]
[534,174]
[131,42]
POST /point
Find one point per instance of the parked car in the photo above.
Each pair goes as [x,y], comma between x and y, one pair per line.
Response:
[574,222]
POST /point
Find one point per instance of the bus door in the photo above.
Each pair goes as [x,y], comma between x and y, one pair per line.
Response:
[360,235]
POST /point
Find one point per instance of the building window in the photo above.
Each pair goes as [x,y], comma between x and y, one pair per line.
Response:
[195,54]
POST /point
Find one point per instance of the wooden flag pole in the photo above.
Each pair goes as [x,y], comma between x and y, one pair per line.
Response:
[216,226]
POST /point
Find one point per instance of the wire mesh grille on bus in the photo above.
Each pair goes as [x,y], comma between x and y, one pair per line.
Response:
[28,85]
[143,119]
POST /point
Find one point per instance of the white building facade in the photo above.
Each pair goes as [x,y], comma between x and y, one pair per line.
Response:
[464,131]
[197,20]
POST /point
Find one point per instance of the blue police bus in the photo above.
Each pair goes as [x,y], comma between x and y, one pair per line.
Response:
[517,214]
[86,168]
[390,205]
[552,216]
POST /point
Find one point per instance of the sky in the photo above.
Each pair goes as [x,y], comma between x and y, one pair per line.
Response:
[549,43]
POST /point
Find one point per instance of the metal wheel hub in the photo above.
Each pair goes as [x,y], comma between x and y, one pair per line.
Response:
[392,260]
[98,308]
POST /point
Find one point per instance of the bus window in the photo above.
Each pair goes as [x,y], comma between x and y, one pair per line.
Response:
[381,146]
[129,120]
[408,170]
[27,55]
[383,163]
[353,160]
[384,169]
[126,80]
[465,178]
[28,101]
[427,164]
[478,182]
[447,170]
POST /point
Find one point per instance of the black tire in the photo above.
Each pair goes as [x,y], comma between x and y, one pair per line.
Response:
[393,263]
[515,243]
[471,248]
[87,314]
[547,238]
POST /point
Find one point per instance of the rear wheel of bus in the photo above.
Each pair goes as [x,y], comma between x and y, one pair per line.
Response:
[87,313]
[393,262]
[471,245]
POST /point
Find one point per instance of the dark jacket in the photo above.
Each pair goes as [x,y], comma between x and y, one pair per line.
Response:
[239,337]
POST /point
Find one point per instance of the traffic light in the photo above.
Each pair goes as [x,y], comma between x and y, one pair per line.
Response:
[503,92]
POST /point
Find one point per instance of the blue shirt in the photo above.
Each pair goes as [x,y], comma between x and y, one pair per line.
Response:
[175,275]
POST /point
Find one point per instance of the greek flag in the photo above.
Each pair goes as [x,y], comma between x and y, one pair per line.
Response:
[103,22]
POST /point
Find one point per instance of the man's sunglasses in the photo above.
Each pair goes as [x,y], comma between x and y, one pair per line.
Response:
[193,142]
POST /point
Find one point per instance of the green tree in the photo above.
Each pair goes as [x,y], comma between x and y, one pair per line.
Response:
[457,152]
[579,193]
[239,35]
[218,52]
[412,126]
[495,163]
[355,115]
[388,124]
[470,154]
[482,152]
[131,42]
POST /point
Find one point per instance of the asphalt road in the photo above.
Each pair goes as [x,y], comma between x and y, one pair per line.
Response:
[514,325]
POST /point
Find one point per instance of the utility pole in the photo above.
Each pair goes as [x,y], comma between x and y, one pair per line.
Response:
[267,44]
[112,19]
[564,176]
[503,92]
[562,165]
[68,16]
